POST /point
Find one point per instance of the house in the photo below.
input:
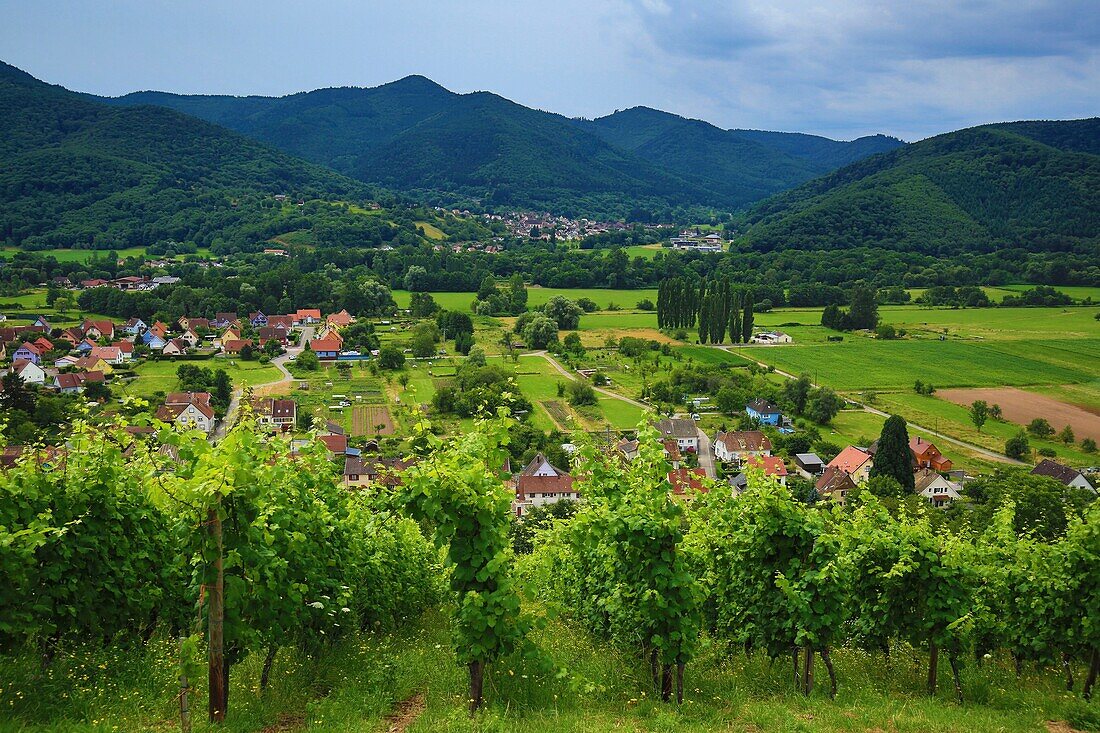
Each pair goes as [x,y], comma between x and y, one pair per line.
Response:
[336,443]
[672,452]
[153,341]
[134,326]
[359,471]
[257,319]
[855,462]
[175,347]
[738,446]
[808,465]
[276,412]
[685,480]
[927,455]
[834,484]
[234,346]
[125,349]
[109,354]
[772,466]
[681,430]
[232,333]
[92,364]
[188,323]
[98,329]
[66,361]
[85,346]
[1062,473]
[935,488]
[192,338]
[73,335]
[44,344]
[327,348]
[41,324]
[29,371]
[284,322]
[771,337]
[764,412]
[307,316]
[222,320]
[628,449]
[94,283]
[27,352]
[343,319]
[541,483]
[74,382]
[273,333]
[188,410]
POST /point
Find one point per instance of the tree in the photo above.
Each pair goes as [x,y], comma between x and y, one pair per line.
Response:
[422,344]
[1017,446]
[246,353]
[403,380]
[16,395]
[797,392]
[222,393]
[307,361]
[572,344]
[979,413]
[1088,445]
[464,342]
[995,411]
[735,318]
[581,393]
[863,313]
[422,305]
[390,357]
[539,332]
[476,357]
[747,318]
[823,404]
[1066,435]
[97,391]
[893,458]
[1040,427]
[645,304]
[564,312]
[416,279]
[488,288]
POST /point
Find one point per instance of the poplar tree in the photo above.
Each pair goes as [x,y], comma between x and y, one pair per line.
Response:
[735,318]
[746,318]
[892,457]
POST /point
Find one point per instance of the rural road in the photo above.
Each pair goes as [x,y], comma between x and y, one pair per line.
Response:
[569,375]
[705,454]
[984,452]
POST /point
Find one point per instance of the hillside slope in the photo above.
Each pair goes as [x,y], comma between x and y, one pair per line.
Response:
[745,165]
[418,137]
[77,173]
[1028,185]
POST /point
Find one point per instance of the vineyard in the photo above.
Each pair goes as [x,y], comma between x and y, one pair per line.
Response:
[182,565]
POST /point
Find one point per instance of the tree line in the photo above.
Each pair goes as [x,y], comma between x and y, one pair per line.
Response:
[713,303]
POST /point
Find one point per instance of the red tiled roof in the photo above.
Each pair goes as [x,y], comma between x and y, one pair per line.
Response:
[850,459]
[337,444]
[772,465]
[684,478]
[744,440]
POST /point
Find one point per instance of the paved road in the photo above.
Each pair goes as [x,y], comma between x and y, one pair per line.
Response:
[235,401]
[706,454]
[984,452]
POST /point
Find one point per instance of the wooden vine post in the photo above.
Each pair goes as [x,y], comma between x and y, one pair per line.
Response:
[185,689]
[216,623]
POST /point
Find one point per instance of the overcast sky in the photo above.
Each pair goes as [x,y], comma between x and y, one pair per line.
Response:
[841,68]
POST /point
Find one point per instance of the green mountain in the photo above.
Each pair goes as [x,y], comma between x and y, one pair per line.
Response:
[415,136]
[1027,185]
[78,173]
[745,165]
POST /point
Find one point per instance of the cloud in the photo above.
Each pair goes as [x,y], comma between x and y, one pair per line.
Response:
[911,68]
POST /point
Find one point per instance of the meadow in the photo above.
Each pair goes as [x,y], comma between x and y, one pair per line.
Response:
[408,681]
[160,376]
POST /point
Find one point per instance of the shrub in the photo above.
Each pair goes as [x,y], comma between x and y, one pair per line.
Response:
[1017,446]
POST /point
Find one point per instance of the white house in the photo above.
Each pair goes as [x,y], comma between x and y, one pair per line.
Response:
[739,446]
[681,430]
[771,337]
[29,372]
[1068,476]
[188,410]
[541,483]
[935,488]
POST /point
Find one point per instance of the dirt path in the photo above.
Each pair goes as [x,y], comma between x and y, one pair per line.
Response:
[570,375]
[977,449]
[404,713]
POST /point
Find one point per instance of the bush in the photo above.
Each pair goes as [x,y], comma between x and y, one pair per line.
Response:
[390,357]
[886,331]
[645,304]
[1047,452]
[587,305]
[581,393]
[1088,445]
[1017,446]
[1040,427]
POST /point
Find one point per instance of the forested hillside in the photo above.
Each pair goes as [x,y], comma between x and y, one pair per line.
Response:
[415,136]
[1028,185]
[745,165]
[77,173]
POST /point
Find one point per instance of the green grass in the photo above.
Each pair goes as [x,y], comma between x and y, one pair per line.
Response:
[645,251]
[431,231]
[537,296]
[160,376]
[356,682]
[78,255]
[862,363]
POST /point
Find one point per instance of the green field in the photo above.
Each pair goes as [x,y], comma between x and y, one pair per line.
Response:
[160,376]
[537,296]
[862,363]
[431,231]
